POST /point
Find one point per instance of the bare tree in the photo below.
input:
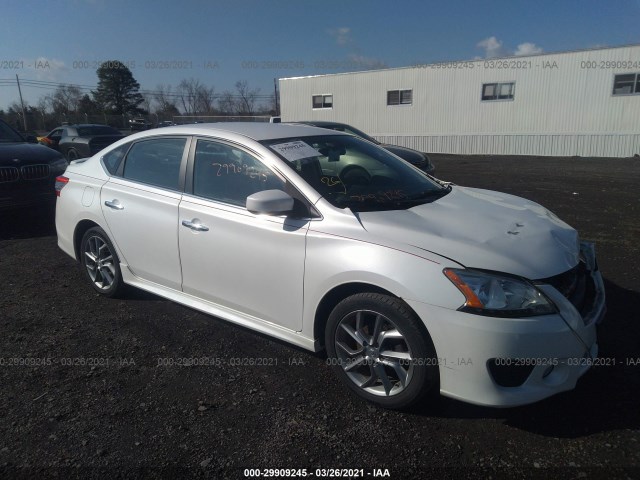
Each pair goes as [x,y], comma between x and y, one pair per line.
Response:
[186,94]
[247,97]
[227,103]
[65,99]
[146,102]
[196,97]
[44,104]
[205,99]
[164,100]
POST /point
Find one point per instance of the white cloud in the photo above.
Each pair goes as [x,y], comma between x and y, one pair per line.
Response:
[527,48]
[367,63]
[342,35]
[343,38]
[492,47]
[495,48]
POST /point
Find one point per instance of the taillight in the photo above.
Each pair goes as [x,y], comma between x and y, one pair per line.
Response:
[60,183]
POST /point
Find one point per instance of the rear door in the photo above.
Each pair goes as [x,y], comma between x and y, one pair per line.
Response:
[140,205]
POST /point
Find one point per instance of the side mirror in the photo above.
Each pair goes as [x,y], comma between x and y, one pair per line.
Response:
[270,202]
[32,139]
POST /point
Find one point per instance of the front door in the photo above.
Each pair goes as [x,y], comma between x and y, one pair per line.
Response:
[249,263]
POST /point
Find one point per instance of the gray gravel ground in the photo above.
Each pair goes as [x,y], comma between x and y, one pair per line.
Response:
[117,412]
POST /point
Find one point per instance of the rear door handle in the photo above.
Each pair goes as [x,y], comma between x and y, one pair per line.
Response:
[195,225]
[115,204]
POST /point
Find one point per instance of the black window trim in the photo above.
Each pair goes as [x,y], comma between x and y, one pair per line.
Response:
[636,82]
[104,166]
[399,104]
[322,95]
[513,95]
[188,187]
[183,162]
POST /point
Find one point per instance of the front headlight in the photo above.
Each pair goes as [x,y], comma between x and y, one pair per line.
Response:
[499,295]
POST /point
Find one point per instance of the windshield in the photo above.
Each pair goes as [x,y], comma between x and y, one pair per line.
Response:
[350,172]
[97,130]
[359,133]
[8,134]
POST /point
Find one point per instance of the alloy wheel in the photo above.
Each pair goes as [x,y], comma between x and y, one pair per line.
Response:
[373,353]
[99,262]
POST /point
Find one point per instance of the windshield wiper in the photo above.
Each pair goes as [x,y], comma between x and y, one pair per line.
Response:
[424,195]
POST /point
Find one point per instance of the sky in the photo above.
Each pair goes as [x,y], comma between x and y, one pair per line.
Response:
[220,42]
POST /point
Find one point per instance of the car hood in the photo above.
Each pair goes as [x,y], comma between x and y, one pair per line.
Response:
[484,229]
[404,152]
[25,154]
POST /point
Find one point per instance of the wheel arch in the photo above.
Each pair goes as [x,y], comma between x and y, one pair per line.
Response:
[78,233]
[338,293]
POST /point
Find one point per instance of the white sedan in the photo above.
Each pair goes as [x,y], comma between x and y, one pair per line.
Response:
[325,240]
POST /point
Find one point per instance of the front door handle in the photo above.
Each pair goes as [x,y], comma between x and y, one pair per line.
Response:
[115,204]
[195,225]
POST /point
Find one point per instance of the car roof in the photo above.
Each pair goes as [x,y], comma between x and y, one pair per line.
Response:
[82,125]
[323,123]
[254,130]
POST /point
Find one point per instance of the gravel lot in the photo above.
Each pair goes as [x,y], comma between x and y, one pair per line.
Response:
[133,417]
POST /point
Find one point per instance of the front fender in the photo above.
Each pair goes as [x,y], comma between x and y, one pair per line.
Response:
[333,261]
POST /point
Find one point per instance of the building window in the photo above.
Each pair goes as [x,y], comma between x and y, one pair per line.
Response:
[399,97]
[498,91]
[626,84]
[323,101]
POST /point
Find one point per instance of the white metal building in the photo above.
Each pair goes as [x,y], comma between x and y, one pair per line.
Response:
[584,103]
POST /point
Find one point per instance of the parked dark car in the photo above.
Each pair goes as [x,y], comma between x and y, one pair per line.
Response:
[80,141]
[419,159]
[28,171]
[166,123]
[139,124]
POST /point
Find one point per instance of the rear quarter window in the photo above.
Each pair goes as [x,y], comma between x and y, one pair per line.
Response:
[112,160]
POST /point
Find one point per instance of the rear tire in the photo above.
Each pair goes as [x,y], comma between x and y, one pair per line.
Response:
[100,263]
[72,155]
[379,349]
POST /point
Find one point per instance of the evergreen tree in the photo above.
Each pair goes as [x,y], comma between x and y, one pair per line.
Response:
[117,92]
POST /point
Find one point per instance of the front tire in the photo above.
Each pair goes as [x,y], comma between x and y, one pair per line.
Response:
[100,263]
[378,348]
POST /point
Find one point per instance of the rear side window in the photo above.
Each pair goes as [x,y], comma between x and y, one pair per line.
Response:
[112,159]
[155,162]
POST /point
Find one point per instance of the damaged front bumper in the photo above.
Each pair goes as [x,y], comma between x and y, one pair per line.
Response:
[506,362]
[581,287]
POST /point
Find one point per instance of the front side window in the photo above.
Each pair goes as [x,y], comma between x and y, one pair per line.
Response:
[498,91]
[626,84]
[399,97]
[322,101]
[56,134]
[155,162]
[226,174]
[352,173]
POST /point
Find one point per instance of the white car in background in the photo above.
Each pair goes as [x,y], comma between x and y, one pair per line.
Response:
[325,240]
